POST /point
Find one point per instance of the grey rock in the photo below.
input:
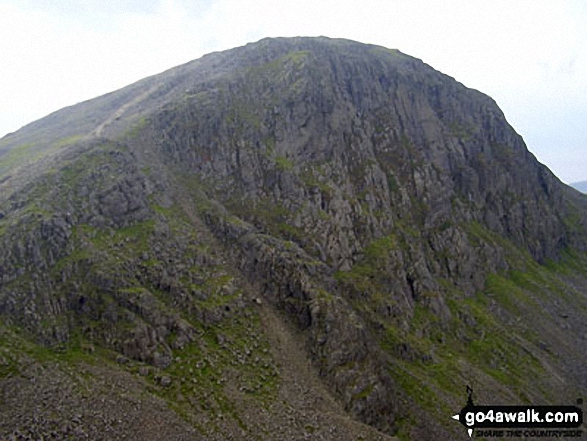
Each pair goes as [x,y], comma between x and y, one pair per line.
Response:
[354,190]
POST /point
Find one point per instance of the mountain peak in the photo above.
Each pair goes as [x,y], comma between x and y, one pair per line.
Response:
[581,186]
[298,235]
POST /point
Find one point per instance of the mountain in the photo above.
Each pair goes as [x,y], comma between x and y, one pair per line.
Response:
[298,238]
[581,186]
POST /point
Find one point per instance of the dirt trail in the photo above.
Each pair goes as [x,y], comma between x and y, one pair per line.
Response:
[120,111]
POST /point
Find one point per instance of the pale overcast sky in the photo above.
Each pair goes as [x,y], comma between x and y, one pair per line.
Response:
[529,55]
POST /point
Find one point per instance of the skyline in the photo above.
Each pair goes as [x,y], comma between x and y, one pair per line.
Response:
[528,56]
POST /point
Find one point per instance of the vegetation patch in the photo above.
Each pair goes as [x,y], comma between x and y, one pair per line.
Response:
[283,164]
[17,156]
[461,130]
[366,274]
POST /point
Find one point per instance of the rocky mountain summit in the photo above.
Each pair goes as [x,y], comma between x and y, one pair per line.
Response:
[302,238]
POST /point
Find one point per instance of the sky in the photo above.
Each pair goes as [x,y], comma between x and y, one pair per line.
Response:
[528,55]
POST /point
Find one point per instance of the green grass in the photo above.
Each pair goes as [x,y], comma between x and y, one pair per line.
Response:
[201,370]
[510,292]
[243,114]
[17,156]
[283,164]
[516,258]
[70,140]
[476,342]
[16,346]
[366,274]
[277,66]
[461,130]
[77,255]
[310,180]
[29,153]
[136,128]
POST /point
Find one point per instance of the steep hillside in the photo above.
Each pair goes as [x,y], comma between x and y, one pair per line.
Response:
[296,238]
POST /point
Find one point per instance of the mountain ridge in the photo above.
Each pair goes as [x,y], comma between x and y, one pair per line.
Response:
[386,215]
[581,186]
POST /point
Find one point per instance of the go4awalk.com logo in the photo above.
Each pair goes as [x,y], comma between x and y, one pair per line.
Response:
[521,421]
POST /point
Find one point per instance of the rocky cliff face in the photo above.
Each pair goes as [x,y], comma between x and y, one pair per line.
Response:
[340,202]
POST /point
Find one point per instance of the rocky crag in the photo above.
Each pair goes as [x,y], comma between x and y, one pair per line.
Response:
[300,238]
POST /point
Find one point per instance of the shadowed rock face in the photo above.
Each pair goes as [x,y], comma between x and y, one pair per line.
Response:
[324,204]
